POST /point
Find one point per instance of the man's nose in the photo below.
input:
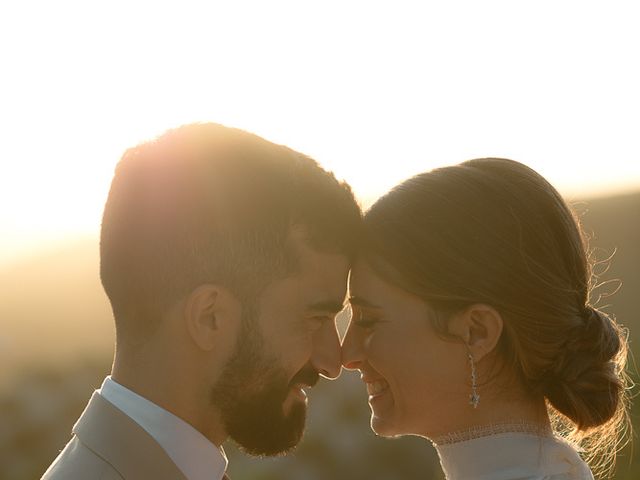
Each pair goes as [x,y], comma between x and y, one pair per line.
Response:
[326,351]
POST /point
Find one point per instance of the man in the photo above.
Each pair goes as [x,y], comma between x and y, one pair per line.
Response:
[225,259]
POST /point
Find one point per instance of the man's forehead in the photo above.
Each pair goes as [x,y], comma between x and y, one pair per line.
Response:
[320,277]
[301,247]
[317,283]
[323,281]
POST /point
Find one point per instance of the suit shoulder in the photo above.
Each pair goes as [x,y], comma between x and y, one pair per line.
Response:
[77,462]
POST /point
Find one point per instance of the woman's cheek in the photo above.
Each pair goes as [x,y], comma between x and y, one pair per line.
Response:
[383,351]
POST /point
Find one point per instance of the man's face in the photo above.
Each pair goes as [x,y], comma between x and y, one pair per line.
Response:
[288,340]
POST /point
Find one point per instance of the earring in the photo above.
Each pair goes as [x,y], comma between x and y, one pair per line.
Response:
[474,398]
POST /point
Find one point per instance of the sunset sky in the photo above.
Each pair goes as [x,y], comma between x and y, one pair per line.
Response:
[375,91]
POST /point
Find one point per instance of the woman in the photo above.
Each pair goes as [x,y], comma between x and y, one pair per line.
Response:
[472,326]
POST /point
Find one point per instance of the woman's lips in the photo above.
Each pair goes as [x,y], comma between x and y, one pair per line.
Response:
[376,388]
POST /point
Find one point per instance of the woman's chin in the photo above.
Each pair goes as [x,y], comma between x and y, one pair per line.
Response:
[383,427]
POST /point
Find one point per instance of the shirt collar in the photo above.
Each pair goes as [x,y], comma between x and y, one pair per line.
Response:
[192,452]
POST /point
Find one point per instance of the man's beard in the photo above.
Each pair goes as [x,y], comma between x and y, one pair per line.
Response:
[251,392]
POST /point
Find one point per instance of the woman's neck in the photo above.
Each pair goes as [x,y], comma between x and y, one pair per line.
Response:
[505,410]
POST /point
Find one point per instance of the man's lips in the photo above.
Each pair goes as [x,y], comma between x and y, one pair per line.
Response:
[307,377]
[298,389]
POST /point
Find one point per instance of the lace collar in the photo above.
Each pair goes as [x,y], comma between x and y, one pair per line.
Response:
[492,429]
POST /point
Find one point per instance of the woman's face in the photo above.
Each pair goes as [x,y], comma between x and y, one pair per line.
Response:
[418,383]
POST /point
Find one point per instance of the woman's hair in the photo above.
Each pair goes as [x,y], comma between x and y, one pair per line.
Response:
[494,231]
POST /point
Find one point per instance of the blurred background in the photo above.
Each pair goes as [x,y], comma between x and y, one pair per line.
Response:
[375,91]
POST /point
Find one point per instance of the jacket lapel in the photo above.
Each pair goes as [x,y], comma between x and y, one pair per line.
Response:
[119,440]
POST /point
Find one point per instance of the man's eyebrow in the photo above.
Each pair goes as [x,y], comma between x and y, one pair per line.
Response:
[329,306]
[362,302]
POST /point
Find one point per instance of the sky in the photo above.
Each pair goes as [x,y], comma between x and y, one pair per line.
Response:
[375,91]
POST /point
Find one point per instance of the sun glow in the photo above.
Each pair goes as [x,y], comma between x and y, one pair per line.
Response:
[375,91]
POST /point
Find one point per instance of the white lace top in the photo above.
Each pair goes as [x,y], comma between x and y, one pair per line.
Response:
[509,455]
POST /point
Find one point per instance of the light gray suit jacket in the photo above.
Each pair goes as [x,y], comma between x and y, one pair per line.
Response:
[108,445]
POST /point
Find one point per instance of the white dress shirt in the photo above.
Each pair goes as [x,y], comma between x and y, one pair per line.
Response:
[192,452]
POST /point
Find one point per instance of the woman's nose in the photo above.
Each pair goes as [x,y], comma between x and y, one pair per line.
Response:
[351,352]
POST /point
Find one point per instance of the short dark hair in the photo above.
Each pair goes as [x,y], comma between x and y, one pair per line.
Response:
[204,203]
[494,231]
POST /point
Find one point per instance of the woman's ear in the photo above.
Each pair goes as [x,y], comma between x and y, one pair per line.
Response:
[212,315]
[480,327]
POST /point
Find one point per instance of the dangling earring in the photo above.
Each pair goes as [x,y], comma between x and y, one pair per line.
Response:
[474,398]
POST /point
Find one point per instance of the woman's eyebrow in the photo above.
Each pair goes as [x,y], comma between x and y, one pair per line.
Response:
[362,302]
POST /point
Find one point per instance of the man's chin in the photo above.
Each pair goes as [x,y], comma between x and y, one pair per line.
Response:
[266,437]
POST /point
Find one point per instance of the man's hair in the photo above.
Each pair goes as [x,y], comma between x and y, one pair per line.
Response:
[205,203]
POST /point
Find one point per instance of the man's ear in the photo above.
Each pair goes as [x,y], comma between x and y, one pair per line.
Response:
[480,327]
[212,315]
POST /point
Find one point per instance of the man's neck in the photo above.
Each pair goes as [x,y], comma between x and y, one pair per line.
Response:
[175,393]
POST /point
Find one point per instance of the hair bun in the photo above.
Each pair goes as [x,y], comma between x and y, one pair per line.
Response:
[600,334]
[585,383]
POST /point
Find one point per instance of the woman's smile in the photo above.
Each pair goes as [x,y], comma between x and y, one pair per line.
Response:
[376,388]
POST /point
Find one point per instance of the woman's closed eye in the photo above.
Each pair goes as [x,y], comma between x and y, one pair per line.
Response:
[362,320]
[365,322]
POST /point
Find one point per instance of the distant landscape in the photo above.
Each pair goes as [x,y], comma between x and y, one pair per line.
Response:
[53,309]
[56,344]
